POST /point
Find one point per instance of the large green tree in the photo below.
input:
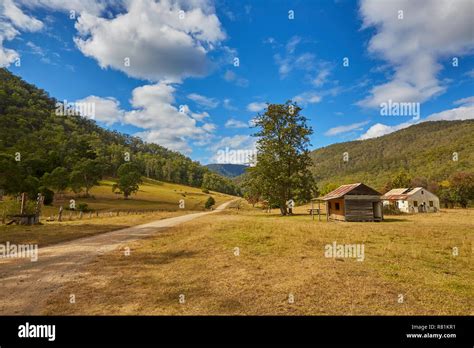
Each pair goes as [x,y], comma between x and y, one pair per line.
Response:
[85,175]
[283,161]
[11,177]
[129,178]
[57,180]
[462,188]
[252,188]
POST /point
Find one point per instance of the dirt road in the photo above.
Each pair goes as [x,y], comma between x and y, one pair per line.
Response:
[25,285]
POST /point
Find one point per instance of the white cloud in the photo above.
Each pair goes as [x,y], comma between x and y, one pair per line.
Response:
[196,115]
[174,142]
[227,103]
[153,110]
[238,149]
[379,129]
[429,30]
[290,62]
[18,18]
[256,106]
[107,110]
[317,71]
[307,98]
[345,129]
[292,43]
[231,76]
[158,44]
[461,113]
[12,21]
[35,49]
[235,142]
[209,103]
[465,112]
[42,53]
[321,77]
[469,101]
[91,6]
[233,123]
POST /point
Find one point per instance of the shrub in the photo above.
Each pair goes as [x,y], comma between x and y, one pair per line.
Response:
[12,207]
[210,202]
[83,207]
[47,194]
[205,190]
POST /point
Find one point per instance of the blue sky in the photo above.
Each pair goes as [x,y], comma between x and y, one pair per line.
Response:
[183,89]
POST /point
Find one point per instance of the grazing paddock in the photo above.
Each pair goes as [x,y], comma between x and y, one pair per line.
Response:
[409,268]
[152,195]
[159,197]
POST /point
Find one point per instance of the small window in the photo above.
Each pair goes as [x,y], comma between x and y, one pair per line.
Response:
[431,203]
[337,206]
[415,203]
[422,192]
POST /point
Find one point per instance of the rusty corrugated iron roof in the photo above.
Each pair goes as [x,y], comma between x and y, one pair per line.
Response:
[394,197]
[396,191]
[401,193]
[340,191]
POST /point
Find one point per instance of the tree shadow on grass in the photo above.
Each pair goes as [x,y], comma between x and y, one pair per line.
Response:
[385,219]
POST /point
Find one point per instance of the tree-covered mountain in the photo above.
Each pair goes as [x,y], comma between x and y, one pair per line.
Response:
[227,169]
[39,148]
[431,150]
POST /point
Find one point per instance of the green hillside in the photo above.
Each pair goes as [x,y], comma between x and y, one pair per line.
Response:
[423,150]
[152,195]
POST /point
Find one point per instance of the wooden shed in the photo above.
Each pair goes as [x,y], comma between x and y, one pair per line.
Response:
[354,202]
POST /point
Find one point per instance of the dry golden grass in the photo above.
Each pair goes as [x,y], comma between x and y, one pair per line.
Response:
[57,232]
[279,256]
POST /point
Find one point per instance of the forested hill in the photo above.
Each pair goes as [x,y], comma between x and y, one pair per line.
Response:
[35,141]
[227,169]
[424,150]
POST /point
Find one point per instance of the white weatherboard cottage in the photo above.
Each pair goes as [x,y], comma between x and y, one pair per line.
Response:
[412,200]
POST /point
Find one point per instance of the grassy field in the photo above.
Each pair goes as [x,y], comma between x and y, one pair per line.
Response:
[280,268]
[57,232]
[159,197]
[152,195]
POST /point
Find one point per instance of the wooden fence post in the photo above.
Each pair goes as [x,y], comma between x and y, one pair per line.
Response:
[23,202]
[60,214]
[319,210]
